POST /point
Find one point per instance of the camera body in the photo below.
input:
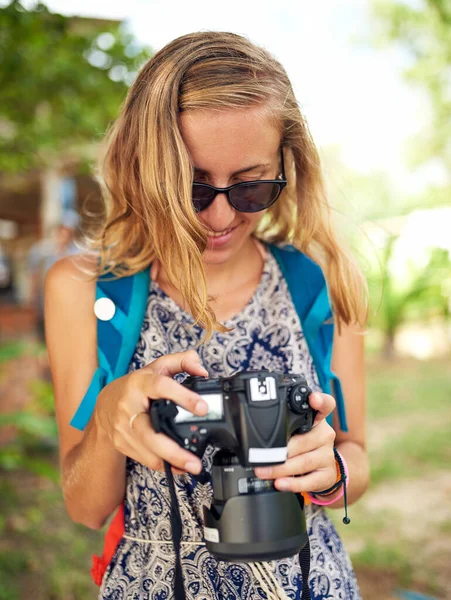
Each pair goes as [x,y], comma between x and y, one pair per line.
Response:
[252,414]
[251,417]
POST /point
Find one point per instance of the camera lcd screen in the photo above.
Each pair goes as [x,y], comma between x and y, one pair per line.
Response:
[215,410]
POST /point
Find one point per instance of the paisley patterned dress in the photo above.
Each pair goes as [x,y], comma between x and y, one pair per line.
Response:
[266,334]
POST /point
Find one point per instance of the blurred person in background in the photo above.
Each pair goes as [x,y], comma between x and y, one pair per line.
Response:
[194,183]
[44,253]
[7,288]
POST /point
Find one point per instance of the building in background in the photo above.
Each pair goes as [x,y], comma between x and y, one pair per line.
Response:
[31,206]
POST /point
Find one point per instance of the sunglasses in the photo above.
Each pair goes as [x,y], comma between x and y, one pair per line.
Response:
[247,197]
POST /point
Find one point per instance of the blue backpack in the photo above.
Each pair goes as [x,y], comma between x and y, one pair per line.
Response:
[117,337]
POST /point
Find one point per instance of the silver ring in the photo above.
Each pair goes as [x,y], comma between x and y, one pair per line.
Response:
[133,417]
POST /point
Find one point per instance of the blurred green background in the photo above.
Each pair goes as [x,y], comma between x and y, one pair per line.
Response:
[62,80]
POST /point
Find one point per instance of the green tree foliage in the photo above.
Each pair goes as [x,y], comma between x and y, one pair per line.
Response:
[28,435]
[424,30]
[62,80]
[425,297]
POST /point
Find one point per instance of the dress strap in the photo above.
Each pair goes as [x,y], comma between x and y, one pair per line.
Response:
[160,542]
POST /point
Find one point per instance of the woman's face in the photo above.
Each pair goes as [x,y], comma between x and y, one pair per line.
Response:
[228,147]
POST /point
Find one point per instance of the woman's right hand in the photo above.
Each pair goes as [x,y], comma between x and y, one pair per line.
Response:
[133,393]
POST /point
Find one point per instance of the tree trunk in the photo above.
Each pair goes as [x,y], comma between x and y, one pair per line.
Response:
[389,345]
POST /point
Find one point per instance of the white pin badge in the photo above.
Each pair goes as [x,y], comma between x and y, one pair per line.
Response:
[104,309]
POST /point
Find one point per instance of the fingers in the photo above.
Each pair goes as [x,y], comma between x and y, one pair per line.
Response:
[310,465]
[141,454]
[155,382]
[163,387]
[323,403]
[320,458]
[310,472]
[179,362]
[154,448]
[313,482]
[322,435]
[143,445]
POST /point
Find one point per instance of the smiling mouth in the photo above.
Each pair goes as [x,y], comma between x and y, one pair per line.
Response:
[216,234]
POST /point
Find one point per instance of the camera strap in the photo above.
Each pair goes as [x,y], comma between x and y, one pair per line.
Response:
[304,563]
[176,527]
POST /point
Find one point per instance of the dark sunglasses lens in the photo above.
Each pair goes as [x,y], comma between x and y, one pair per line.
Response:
[254,197]
[202,196]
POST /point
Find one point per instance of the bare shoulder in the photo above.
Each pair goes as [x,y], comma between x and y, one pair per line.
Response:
[71,337]
[70,291]
[76,271]
[69,306]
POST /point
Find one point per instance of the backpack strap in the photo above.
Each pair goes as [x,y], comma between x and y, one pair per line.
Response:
[308,290]
[116,337]
[112,539]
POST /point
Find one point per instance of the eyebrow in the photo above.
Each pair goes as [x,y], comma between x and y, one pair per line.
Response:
[259,166]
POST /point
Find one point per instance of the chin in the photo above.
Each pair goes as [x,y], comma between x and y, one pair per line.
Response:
[222,255]
[219,256]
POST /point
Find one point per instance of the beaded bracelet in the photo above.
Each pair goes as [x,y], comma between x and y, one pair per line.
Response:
[342,482]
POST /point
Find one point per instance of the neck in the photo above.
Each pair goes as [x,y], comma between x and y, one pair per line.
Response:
[229,275]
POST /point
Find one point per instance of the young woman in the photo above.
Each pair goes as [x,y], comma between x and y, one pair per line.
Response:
[210,110]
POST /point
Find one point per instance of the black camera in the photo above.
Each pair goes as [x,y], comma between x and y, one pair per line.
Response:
[251,417]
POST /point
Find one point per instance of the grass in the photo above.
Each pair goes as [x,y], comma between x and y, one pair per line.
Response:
[409,425]
[414,453]
[381,557]
[15,349]
[407,387]
[43,555]
[40,549]
[414,396]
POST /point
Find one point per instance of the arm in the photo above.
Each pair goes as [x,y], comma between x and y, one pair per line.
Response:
[348,363]
[92,470]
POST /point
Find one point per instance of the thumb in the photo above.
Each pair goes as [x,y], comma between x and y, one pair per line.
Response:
[323,403]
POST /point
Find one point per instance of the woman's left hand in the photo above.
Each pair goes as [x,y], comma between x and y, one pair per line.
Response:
[310,466]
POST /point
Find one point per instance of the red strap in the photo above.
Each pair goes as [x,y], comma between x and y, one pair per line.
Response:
[112,538]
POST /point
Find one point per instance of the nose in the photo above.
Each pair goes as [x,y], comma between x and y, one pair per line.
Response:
[220,215]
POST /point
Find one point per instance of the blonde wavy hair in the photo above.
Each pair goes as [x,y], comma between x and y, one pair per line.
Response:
[146,173]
